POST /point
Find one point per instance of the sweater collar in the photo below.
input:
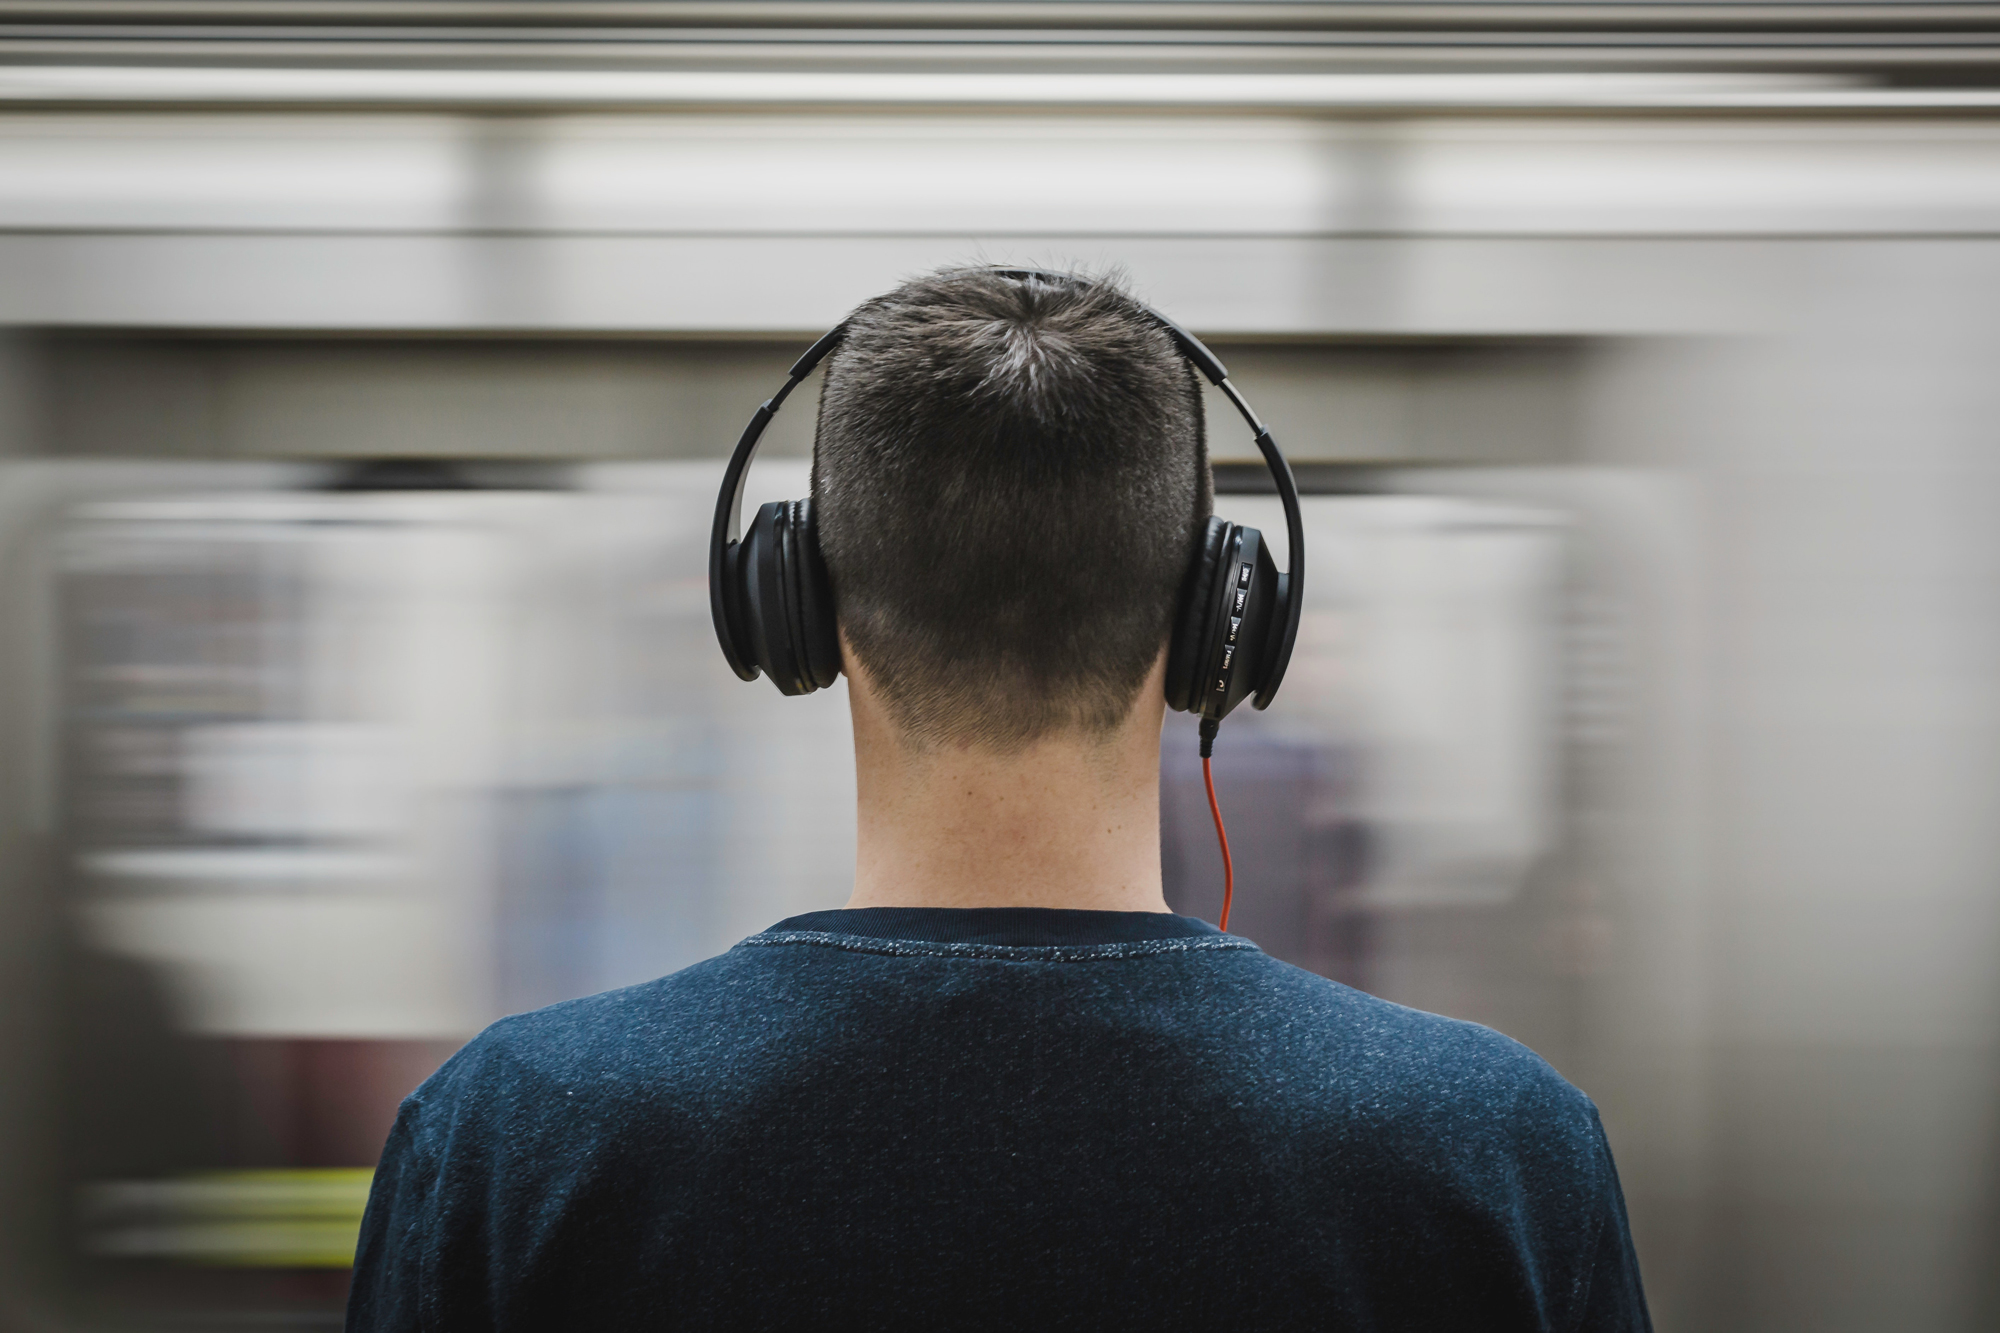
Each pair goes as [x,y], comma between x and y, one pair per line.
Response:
[1017,926]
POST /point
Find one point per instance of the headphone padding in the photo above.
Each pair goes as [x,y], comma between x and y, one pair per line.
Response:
[789,562]
[770,592]
[1194,621]
[819,639]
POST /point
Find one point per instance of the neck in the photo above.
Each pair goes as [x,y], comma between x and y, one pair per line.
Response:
[1070,821]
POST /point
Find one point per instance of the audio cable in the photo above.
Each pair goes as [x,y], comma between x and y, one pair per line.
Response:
[1209,726]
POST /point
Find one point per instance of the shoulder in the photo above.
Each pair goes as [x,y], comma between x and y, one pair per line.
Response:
[1474,1155]
[1440,1083]
[561,1066]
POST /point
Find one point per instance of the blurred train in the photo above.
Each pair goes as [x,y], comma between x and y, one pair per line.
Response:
[347,773]
[363,390]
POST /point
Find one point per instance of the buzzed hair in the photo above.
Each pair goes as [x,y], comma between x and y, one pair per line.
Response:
[1009,481]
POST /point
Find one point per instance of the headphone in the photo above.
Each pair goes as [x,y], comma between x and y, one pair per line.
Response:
[1233,630]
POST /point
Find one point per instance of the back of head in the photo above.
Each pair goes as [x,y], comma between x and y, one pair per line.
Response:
[1009,481]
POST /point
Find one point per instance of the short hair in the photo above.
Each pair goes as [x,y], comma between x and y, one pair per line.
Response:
[1010,478]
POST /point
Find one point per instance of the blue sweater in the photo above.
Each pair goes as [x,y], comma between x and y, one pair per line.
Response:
[1007,1118]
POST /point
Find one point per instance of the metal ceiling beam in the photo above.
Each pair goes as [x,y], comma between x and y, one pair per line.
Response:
[1251,15]
[541,53]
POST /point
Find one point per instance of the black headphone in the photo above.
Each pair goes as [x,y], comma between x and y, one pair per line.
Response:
[1232,635]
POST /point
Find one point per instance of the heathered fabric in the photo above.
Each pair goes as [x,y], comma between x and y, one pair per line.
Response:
[994,1118]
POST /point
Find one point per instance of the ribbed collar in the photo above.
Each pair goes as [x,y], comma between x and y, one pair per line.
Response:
[1014,926]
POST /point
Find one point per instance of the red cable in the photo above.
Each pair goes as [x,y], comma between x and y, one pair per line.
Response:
[1221,836]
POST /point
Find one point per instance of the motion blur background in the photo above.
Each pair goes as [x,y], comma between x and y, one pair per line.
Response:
[365,377]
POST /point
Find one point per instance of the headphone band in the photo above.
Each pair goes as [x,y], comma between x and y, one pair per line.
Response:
[727,528]
[746,447]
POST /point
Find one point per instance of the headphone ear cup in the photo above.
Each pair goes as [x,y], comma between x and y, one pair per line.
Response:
[768,584]
[1194,622]
[819,638]
[729,603]
[790,601]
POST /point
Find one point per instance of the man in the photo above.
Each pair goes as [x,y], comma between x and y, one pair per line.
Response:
[1004,1087]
